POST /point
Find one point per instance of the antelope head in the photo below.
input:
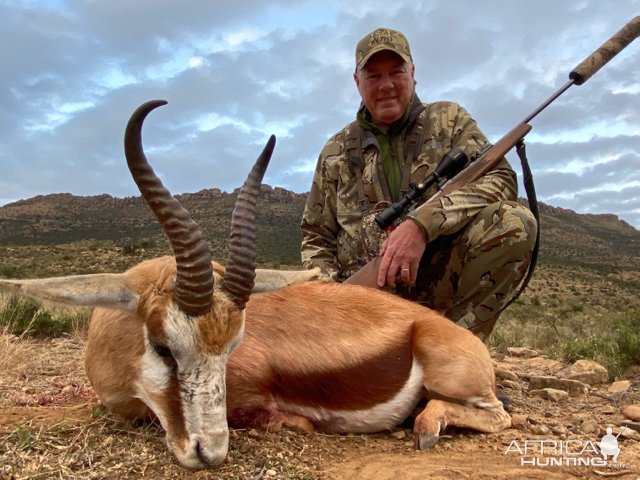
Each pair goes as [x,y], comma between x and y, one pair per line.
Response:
[191,328]
[187,318]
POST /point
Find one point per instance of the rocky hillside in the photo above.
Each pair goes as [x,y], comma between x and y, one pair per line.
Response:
[603,242]
[65,218]
[600,241]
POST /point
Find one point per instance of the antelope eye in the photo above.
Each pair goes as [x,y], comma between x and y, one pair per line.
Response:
[162,351]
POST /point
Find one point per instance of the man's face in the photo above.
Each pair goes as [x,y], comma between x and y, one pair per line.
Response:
[386,85]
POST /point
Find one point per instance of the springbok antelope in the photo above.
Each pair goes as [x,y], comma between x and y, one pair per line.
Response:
[181,338]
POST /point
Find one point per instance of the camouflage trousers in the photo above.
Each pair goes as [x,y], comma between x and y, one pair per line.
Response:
[471,275]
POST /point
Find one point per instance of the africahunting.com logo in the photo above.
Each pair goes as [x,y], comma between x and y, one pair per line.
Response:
[573,453]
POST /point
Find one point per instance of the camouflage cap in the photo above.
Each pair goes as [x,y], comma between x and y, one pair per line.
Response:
[382,39]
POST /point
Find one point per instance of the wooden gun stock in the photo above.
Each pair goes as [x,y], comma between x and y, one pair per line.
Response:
[367,276]
[484,163]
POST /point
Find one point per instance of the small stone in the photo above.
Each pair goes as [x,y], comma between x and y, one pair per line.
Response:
[399,435]
[632,412]
[573,387]
[556,395]
[253,433]
[538,392]
[632,425]
[621,386]
[496,356]
[540,430]
[623,432]
[271,473]
[630,434]
[550,394]
[588,426]
[559,430]
[609,410]
[504,374]
[545,366]
[511,384]
[535,420]
[519,422]
[522,352]
[585,371]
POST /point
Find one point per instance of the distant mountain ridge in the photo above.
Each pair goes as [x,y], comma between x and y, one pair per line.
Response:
[600,217]
[567,237]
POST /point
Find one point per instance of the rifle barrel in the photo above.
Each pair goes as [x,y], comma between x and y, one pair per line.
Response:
[548,101]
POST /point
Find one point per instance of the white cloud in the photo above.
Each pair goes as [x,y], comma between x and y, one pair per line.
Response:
[235,72]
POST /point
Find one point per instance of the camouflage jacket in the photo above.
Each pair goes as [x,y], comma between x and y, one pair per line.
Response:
[337,224]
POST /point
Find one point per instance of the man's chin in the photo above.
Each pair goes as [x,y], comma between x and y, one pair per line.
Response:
[388,117]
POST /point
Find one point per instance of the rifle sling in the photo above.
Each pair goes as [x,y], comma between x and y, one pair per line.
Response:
[529,187]
[485,327]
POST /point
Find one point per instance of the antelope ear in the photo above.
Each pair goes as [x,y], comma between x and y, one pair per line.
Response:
[100,290]
[268,280]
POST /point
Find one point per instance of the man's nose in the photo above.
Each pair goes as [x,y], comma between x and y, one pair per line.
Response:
[386,81]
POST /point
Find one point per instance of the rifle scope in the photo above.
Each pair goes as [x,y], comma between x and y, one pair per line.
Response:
[451,164]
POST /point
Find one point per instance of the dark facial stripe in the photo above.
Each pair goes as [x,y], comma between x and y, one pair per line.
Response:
[172,405]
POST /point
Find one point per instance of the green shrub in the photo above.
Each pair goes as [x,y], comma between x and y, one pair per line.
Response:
[22,438]
[617,346]
[10,271]
[24,316]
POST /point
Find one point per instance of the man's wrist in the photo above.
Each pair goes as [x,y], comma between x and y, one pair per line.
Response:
[419,224]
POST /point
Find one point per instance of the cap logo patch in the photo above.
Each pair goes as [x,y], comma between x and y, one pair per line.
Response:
[381,36]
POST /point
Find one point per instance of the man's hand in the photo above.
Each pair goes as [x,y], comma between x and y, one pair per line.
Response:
[401,253]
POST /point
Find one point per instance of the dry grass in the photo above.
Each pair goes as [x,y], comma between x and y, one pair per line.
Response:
[52,426]
[66,433]
[15,358]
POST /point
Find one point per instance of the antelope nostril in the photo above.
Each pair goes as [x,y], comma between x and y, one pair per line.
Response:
[208,457]
[199,452]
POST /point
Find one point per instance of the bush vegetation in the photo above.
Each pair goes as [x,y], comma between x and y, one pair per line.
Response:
[611,339]
[23,316]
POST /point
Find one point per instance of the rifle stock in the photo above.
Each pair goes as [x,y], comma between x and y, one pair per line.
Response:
[367,276]
[484,163]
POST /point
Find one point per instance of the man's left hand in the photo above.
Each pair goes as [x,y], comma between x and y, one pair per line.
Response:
[401,253]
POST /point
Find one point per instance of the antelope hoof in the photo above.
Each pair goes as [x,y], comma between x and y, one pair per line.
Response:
[426,441]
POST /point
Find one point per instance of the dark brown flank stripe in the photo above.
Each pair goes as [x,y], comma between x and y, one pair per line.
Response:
[356,387]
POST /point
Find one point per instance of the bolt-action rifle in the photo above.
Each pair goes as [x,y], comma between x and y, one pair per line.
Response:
[450,178]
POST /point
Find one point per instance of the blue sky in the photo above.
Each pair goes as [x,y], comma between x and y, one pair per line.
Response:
[236,72]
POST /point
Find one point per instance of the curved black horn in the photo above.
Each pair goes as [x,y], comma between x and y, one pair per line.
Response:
[193,289]
[241,266]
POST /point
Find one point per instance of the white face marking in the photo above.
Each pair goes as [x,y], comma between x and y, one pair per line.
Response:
[155,379]
[201,380]
[384,416]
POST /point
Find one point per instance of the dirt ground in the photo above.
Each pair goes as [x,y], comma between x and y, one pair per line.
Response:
[51,426]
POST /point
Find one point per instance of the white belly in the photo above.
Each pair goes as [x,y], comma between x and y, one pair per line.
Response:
[384,416]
